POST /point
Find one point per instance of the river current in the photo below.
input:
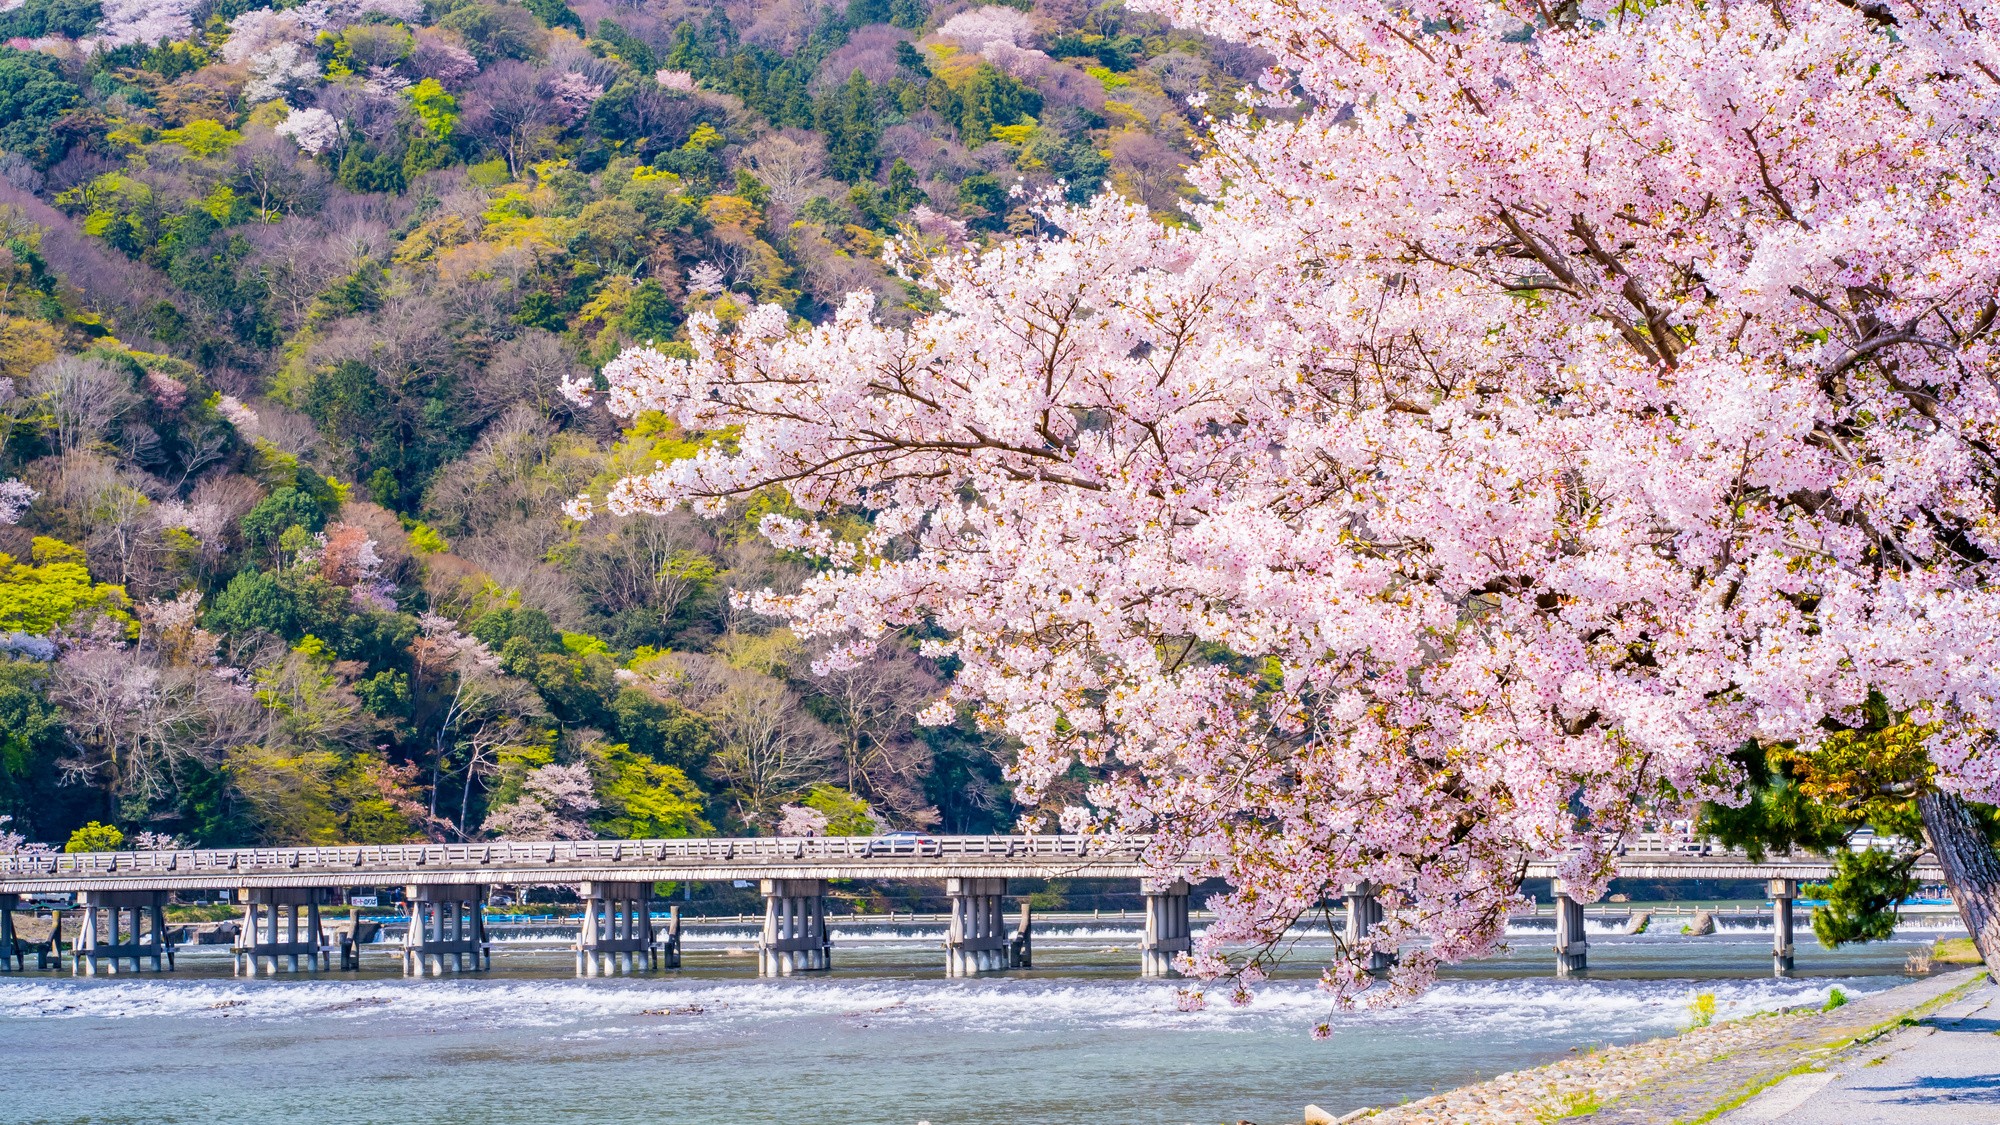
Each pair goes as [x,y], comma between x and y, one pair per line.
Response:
[883,1038]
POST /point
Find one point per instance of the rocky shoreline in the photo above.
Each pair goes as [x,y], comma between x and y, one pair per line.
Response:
[1691,1077]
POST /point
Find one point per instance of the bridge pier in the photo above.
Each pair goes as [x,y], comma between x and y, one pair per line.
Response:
[977,941]
[1572,946]
[1167,931]
[1783,891]
[119,938]
[1364,913]
[446,921]
[1021,948]
[794,937]
[618,931]
[11,957]
[280,922]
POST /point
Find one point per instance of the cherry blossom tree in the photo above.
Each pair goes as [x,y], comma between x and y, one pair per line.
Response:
[573,95]
[1548,401]
[15,499]
[313,129]
[554,804]
[142,22]
[798,820]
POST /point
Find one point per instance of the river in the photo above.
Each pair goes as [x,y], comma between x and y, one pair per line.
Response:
[884,1038]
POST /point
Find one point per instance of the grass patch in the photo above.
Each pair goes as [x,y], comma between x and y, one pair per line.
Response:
[1956,951]
[217,912]
[1570,1105]
[1751,1091]
[1834,999]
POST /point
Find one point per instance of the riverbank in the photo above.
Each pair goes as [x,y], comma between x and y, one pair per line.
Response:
[1694,1077]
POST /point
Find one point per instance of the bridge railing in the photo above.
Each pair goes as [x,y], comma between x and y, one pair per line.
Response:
[515,854]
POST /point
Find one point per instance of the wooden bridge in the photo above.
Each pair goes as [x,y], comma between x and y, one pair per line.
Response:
[282,890]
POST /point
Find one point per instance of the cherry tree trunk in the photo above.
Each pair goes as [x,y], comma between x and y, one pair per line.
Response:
[1971,869]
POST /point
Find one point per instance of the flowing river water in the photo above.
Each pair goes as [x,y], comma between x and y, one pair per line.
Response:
[883,1038]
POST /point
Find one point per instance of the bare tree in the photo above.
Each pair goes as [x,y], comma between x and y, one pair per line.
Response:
[84,397]
[507,104]
[771,748]
[874,706]
[791,163]
[646,562]
[131,719]
[530,369]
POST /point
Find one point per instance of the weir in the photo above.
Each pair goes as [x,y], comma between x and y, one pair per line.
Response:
[280,922]
[118,937]
[446,921]
[794,937]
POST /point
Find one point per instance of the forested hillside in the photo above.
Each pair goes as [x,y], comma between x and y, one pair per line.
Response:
[287,298]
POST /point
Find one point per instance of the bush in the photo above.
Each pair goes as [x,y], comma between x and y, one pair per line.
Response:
[1703,1009]
[95,837]
[285,508]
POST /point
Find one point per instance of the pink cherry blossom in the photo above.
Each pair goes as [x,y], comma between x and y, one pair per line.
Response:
[1537,408]
[15,497]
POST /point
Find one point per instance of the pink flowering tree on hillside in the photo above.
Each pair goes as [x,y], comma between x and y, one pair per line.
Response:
[1556,399]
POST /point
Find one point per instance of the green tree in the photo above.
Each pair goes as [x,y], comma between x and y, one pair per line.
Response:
[991,98]
[254,600]
[1877,774]
[652,315]
[71,19]
[31,739]
[203,137]
[984,198]
[853,126]
[33,95]
[663,731]
[435,107]
[95,837]
[554,14]
[846,814]
[644,799]
[57,587]
[286,508]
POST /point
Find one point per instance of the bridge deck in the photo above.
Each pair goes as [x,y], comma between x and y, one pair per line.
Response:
[829,857]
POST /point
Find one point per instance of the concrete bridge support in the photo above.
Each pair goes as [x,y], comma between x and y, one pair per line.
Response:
[669,940]
[1021,947]
[280,922]
[1572,946]
[1364,913]
[794,938]
[1167,931]
[446,922]
[1783,891]
[11,957]
[111,931]
[978,941]
[618,930]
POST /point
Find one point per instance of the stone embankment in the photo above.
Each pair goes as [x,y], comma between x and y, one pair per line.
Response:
[1692,1077]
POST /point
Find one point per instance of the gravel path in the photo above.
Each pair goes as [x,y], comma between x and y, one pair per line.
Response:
[1698,1075]
[1945,1068]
